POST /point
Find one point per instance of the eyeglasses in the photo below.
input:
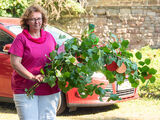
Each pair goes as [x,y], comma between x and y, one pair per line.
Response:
[35,19]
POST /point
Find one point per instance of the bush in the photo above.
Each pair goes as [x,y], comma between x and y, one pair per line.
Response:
[13,8]
[55,8]
[58,8]
[147,89]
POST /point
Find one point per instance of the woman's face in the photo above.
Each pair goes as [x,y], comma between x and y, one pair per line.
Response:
[35,21]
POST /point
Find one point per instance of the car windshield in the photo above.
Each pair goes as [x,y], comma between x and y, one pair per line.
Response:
[59,35]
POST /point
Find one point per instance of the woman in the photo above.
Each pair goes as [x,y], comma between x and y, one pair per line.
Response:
[28,53]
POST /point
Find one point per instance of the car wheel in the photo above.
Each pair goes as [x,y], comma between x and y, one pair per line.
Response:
[62,104]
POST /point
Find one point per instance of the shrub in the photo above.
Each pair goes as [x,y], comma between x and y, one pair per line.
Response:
[58,8]
[13,8]
[55,8]
[147,89]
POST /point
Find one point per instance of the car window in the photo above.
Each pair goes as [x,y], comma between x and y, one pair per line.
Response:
[16,29]
[4,39]
[59,35]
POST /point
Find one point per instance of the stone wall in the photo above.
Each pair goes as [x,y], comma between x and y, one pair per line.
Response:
[123,2]
[139,24]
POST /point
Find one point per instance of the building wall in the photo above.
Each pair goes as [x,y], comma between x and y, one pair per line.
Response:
[123,2]
[139,24]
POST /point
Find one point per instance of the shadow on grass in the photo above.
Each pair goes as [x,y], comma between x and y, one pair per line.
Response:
[105,118]
[7,108]
[89,110]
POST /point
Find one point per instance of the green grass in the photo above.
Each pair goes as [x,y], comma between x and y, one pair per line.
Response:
[139,109]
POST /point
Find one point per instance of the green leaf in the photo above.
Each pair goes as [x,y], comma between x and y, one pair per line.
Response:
[142,79]
[115,45]
[135,84]
[80,64]
[125,43]
[42,71]
[91,27]
[88,79]
[66,74]
[144,74]
[152,79]
[87,58]
[140,69]
[147,61]
[134,66]
[105,49]
[109,75]
[145,69]
[100,91]
[101,84]
[52,55]
[120,78]
[113,97]
[138,55]
[95,57]
[51,80]
[141,63]
[152,71]
[58,73]
[131,79]
[72,59]
[119,62]
[75,47]
[62,36]
[57,46]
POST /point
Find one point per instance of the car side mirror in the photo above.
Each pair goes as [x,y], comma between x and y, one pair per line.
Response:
[6,48]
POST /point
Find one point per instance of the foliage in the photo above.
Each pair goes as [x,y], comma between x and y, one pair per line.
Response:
[55,8]
[58,8]
[13,8]
[74,63]
[146,89]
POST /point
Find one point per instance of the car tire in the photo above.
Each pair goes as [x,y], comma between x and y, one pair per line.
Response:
[62,104]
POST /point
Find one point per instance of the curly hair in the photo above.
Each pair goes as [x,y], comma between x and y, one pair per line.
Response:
[29,11]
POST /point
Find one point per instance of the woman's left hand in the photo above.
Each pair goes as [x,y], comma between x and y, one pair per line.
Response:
[39,77]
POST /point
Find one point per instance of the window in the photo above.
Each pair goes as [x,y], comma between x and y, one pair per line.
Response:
[16,29]
[4,39]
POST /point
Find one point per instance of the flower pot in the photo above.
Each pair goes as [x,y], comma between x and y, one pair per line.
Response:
[121,69]
[112,67]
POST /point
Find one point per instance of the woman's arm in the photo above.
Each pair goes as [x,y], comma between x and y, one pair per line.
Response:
[22,71]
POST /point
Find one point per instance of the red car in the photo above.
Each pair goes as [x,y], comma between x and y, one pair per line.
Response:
[9,28]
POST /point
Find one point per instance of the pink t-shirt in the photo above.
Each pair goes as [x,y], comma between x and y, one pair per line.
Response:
[33,59]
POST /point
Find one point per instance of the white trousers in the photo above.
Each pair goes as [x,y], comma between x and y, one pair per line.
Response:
[36,108]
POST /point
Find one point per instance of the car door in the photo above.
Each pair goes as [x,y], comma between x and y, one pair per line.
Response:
[5,67]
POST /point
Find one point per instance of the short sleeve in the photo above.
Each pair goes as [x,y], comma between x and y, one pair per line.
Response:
[17,47]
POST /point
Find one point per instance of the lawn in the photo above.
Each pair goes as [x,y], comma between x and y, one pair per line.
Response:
[139,109]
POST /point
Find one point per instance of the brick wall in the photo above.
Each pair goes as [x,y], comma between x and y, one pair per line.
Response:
[139,24]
